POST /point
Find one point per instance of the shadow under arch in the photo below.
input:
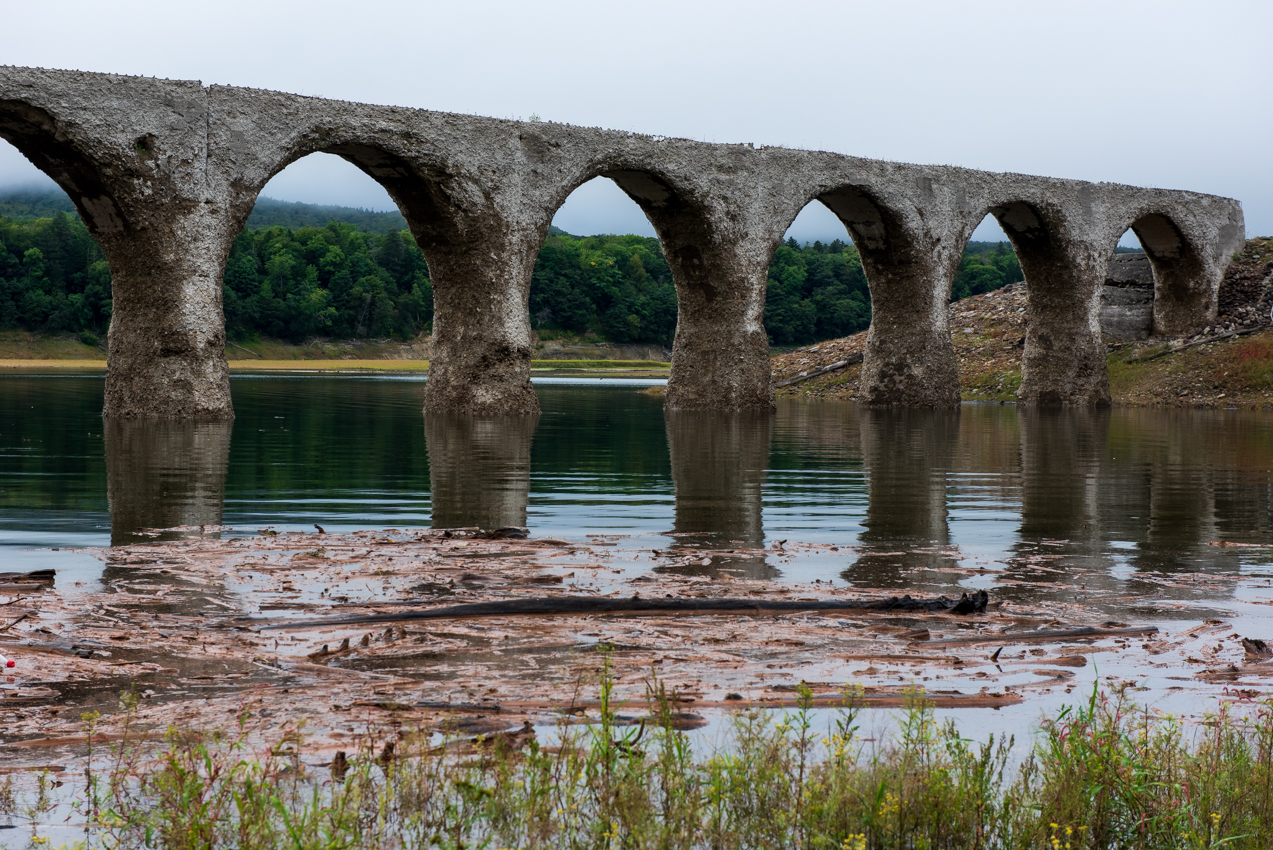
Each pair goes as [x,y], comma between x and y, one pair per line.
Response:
[1184,297]
[719,460]
[909,359]
[43,140]
[1064,359]
[479,469]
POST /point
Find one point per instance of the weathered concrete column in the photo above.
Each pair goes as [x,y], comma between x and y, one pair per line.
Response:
[479,469]
[481,324]
[719,460]
[1064,359]
[131,152]
[167,334]
[165,475]
[720,357]
[909,360]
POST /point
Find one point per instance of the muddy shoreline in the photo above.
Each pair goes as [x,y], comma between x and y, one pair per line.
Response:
[204,628]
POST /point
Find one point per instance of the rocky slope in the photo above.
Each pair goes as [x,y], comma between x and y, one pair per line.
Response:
[1229,364]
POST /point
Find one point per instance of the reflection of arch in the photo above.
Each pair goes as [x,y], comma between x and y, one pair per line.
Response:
[46,143]
[908,454]
[1184,298]
[718,469]
[479,469]
[163,474]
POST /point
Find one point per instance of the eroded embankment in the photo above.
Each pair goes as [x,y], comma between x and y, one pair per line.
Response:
[328,632]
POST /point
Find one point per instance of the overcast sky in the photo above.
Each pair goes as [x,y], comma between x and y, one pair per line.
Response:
[1159,93]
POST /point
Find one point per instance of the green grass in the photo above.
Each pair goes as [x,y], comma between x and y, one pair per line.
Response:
[598,364]
[993,386]
[1102,774]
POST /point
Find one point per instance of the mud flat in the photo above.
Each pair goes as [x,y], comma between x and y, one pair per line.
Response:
[377,632]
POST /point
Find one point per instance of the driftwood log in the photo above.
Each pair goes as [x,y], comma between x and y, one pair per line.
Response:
[572,605]
[818,373]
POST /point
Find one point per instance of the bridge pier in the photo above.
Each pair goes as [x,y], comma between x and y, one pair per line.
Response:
[720,356]
[480,363]
[1063,364]
[909,360]
[166,345]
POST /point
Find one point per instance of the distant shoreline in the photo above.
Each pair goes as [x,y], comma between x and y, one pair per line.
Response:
[608,367]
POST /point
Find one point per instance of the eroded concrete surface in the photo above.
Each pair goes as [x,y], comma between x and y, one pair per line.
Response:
[204,630]
[166,172]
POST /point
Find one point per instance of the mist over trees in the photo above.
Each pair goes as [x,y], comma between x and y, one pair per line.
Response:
[300,271]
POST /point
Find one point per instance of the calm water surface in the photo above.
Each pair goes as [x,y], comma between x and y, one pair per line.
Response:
[916,500]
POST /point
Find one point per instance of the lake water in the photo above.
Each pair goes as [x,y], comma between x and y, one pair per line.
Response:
[984,496]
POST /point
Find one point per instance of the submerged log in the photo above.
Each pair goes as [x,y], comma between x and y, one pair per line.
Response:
[572,605]
[1045,635]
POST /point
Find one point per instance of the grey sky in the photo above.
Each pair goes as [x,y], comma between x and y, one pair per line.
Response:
[1157,93]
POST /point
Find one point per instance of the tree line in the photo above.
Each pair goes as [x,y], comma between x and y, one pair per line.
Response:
[290,279]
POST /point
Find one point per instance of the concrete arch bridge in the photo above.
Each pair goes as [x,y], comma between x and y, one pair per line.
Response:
[165,173]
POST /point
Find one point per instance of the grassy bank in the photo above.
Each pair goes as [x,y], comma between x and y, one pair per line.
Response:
[1102,774]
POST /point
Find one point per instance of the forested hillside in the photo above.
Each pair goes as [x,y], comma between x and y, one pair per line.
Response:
[299,271]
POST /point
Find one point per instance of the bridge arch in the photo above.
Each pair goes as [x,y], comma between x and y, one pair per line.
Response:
[681,220]
[1184,298]
[822,292]
[418,188]
[603,268]
[310,280]
[1064,358]
[50,146]
[720,354]
[908,360]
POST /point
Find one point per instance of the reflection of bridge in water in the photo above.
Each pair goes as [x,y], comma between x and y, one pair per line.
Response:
[165,475]
[479,470]
[719,461]
[908,455]
[1121,503]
